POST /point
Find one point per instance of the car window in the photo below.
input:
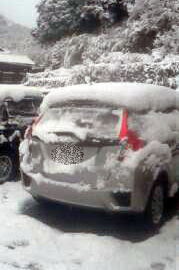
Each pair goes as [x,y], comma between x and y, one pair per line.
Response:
[99,121]
[25,107]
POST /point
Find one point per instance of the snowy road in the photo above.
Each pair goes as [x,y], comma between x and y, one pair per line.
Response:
[37,237]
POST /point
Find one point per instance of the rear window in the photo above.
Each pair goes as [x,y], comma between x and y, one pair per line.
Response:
[99,121]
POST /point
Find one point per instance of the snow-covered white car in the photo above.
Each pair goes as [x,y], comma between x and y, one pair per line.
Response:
[18,106]
[112,146]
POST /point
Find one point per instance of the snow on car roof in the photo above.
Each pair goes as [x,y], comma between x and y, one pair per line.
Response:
[135,96]
[18,92]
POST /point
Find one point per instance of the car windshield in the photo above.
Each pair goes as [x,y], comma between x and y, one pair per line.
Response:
[98,121]
[25,107]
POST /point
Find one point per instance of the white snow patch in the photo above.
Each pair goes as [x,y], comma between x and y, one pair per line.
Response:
[29,242]
[154,154]
[162,127]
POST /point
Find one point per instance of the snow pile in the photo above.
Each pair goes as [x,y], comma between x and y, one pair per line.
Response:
[158,126]
[153,155]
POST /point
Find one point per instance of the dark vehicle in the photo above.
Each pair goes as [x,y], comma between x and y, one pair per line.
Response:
[18,107]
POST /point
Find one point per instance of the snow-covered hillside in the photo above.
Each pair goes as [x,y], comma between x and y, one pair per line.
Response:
[110,66]
[142,48]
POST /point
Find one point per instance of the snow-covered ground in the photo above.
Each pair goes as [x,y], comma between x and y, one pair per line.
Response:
[54,237]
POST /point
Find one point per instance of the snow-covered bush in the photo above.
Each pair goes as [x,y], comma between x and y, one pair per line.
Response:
[168,41]
[78,49]
[91,17]
[112,54]
[114,67]
[151,19]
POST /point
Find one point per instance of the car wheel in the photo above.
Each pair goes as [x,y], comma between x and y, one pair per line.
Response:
[156,205]
[7,168]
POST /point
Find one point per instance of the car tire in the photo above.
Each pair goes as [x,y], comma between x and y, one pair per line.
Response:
[7,167]
[155,210]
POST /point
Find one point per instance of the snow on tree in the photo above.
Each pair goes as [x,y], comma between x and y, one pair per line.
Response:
[63,17]
[143,48]
[153,23]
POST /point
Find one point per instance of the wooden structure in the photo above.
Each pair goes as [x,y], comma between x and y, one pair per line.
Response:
[13,68]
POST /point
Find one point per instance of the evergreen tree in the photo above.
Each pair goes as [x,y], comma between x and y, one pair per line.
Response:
[63,17]
[153,22]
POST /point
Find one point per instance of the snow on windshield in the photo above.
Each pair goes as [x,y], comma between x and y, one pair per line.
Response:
[82,121]
[135,96]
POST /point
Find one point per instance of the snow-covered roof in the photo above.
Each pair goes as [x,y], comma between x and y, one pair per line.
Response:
[18,92]
[135,96]
[15,59]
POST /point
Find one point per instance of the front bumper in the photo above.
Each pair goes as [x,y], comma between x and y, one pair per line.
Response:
[109,200]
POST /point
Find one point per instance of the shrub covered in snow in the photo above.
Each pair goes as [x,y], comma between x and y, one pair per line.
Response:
[169,41]
[115,67]
[153,23]
[111,54]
